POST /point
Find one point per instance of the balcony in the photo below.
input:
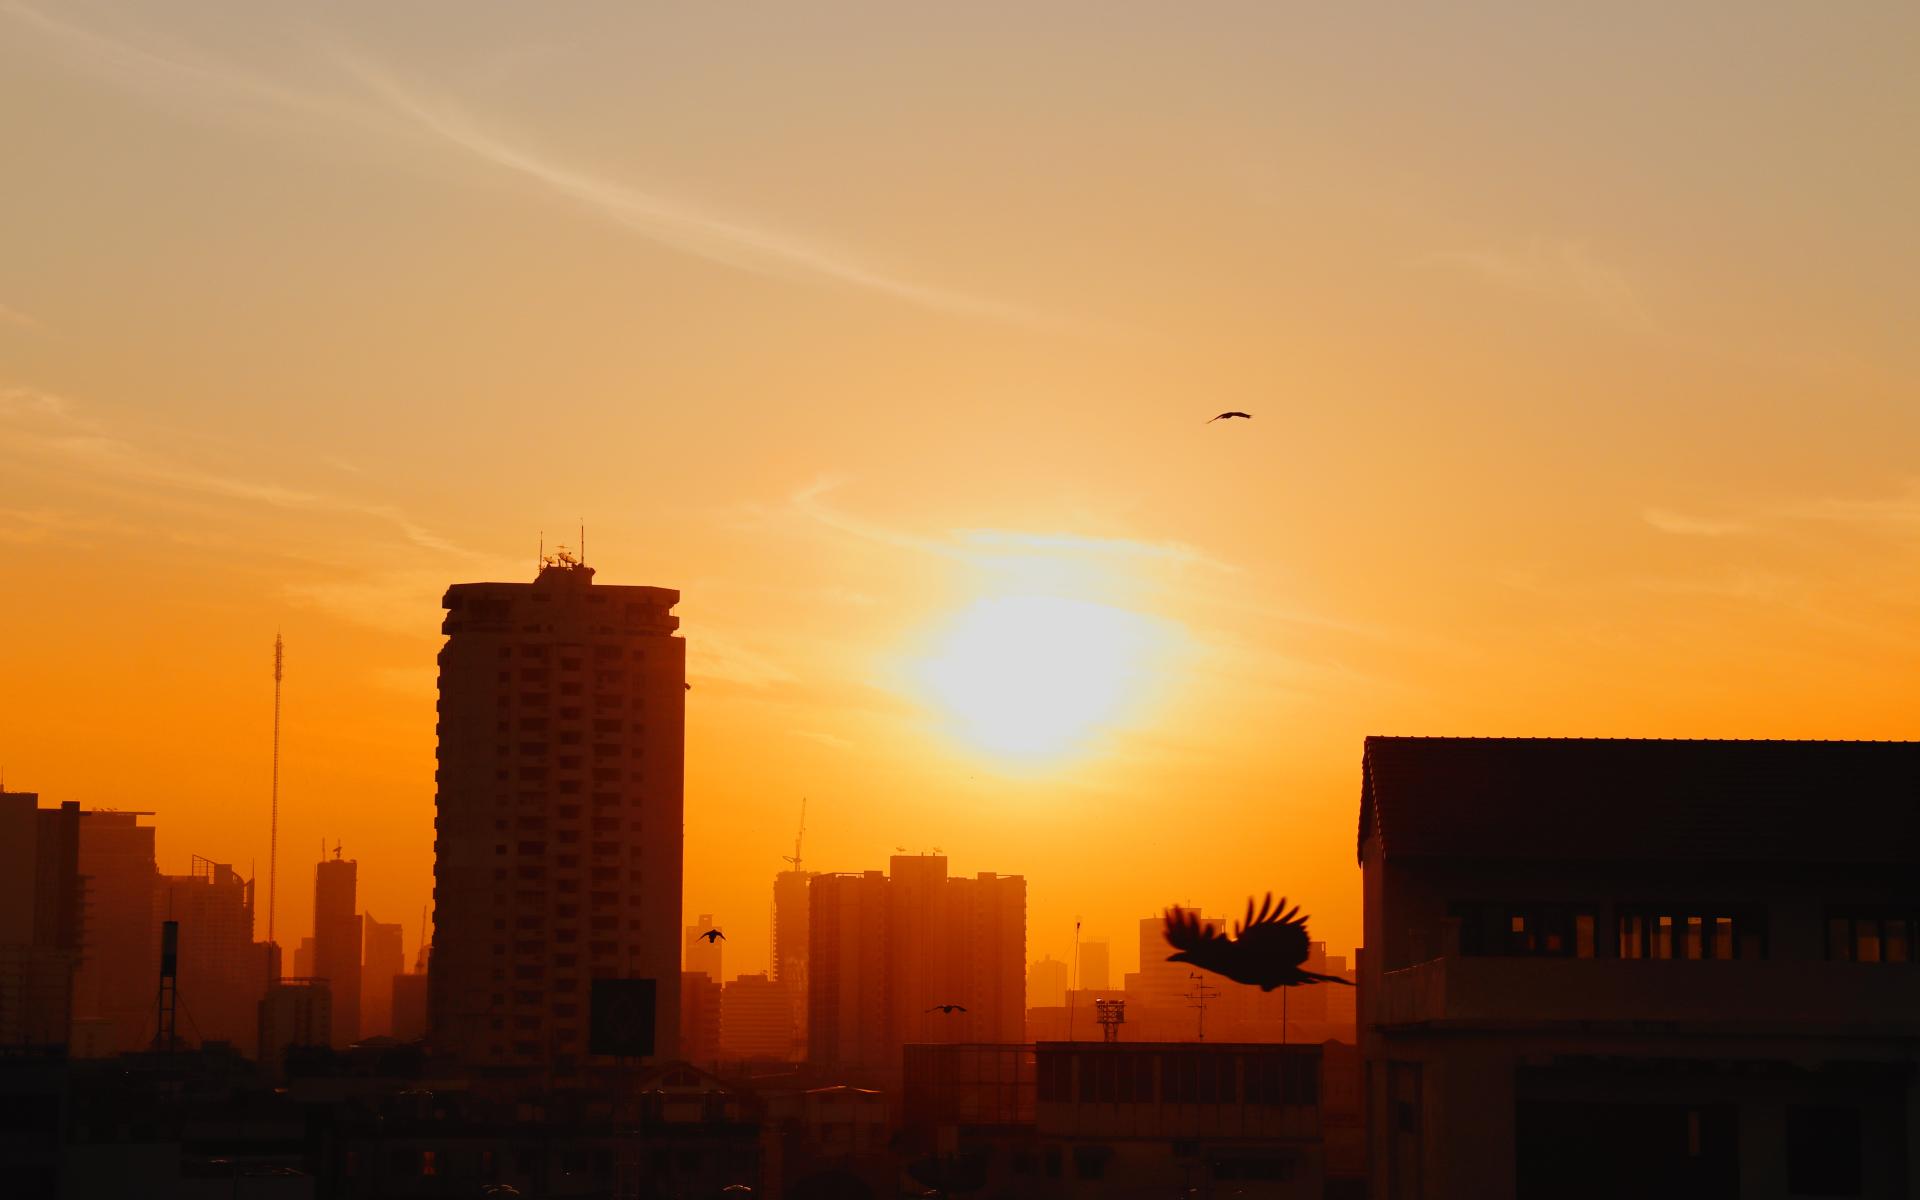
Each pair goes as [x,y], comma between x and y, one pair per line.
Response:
[1784,996]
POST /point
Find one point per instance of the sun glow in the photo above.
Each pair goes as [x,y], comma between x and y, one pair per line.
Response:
[1035,677]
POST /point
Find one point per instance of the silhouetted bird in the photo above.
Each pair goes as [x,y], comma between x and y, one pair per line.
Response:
[713,935]
[1266,949]
[948,1008]
[1223,416]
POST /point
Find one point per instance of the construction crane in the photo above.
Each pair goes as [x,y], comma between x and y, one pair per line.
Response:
[420,954]
[794,858]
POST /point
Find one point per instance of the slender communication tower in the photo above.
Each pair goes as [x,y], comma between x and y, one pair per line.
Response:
[273,833]
[1197,1000]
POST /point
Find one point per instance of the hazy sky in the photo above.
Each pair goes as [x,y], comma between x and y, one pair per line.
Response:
[1579,347]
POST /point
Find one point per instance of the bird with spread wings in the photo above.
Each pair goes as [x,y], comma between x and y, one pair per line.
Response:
[1266,948]
[712,936]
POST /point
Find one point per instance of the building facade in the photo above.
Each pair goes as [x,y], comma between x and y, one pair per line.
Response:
[558,832]
[915,955]
[336,943]
[41,919]
[1597,968]
[222,970]
[113,994]
[382,960]
[758,1020]
[704,954]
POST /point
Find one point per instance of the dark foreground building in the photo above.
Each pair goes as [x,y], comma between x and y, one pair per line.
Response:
[1602,968]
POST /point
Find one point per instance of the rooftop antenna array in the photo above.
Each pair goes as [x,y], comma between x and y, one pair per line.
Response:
[273,832]
[794,858]
[1197,1000]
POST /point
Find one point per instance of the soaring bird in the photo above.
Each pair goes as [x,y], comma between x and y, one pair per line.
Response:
[712,936]
[1223,416]
[948,1008]
[1266,949]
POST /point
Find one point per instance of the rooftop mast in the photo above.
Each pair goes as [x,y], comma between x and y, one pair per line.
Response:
[273,834]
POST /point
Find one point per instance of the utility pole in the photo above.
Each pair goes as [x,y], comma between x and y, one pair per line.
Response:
[1199,994]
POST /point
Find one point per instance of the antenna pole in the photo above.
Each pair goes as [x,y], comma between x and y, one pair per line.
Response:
[273,832]
[1074,978]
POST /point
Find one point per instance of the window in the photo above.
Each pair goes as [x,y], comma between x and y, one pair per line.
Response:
[1660,931]
[1870,935]
[1525,930]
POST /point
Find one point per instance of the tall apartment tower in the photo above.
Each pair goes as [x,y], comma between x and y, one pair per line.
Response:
[336,943]
[41,917]
[889,950]
[222,970]
[120,936]
[557,852]
[790,940]
[1096,966]
[381,960]
[704,954]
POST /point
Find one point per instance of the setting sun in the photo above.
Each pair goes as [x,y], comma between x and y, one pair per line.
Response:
[1034,677]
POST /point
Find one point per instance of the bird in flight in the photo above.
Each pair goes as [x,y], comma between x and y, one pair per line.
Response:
[713,935]
[1265,949]
[1223,416]
[948,1008]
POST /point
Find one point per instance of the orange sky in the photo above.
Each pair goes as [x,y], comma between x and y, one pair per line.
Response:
[1580,352]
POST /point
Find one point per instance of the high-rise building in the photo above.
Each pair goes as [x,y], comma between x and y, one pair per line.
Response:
[40,919]
[700,1002]
[914,956]
[1047,983]
[381,961]
[336,943]
[294,1012]
[222,971]
[757,1019]
[303,959]
[790,939]
[1160,984]
[1095,966]
[559,813]
[113,1000]
[409,1007]
[704,952]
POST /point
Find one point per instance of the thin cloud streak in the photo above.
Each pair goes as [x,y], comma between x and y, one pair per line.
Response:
[673,224]
[1683,525]
[659,219]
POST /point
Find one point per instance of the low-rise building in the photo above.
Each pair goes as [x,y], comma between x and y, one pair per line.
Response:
[1599,968]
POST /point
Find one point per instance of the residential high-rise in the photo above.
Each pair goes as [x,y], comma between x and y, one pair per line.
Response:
[889,951]
[790,939]
[222,971]
[409,1007]
[40,919]
[336,943]
[1047,983]
[1095,966]
[559,813]
[294,1012]
[704,953]
[381,960]
[757,1019]
[699,1018]
[303,959]
[113,989]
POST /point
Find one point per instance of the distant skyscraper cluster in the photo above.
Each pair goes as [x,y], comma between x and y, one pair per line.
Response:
[82,909]
[913,955]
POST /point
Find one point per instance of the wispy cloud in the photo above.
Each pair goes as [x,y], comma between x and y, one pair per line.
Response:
[43,427]
[390,107]
[20,320]
[716,655]
[825,739]
[1683,525]
[1557,268]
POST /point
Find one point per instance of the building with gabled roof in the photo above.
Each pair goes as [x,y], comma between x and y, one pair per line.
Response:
[1600,967]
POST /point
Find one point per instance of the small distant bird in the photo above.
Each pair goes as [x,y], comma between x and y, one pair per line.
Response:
[713,935]
[1223,416]
[948,1008]
[1266,949]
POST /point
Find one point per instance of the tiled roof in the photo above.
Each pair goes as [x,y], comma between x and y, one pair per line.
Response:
[1615,799]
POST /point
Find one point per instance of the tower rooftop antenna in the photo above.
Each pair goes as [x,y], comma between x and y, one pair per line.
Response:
[795,857]
[273,831]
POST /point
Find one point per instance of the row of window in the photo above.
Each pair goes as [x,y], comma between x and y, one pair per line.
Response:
[1263,1079]
[1672,932]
